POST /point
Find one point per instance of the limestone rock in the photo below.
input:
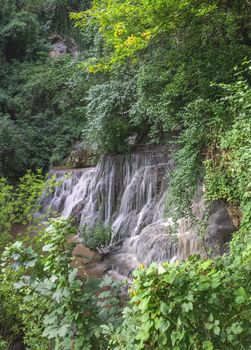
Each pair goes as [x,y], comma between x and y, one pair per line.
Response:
[87,262]
[62,46]
[96,270]
[219,230]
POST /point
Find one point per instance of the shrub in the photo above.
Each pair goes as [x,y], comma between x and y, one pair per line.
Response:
[197,304]
[54,305]
[98,237]
[19,204]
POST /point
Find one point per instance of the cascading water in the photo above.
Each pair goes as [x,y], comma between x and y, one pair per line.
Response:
[127,192]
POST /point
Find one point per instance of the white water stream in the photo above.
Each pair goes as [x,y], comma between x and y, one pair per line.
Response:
[127,192]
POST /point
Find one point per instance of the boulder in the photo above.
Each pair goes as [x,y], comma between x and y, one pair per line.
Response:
[87,262]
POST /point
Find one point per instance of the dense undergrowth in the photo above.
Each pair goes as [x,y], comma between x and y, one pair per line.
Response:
[147,70]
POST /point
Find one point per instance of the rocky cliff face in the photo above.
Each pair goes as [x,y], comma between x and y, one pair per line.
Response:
[215,222]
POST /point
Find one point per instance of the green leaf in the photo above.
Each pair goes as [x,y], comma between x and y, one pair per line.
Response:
[207,345]
[161,270]
[72,275]
[48,247]
[63,330]
[186,307]
[241,296]
[164,309]
[50,332]
[216,330]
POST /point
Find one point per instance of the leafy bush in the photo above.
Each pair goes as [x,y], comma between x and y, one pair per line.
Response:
[3,344]
[12,147]
[10,317]
[197,304]
[97,237]
[19,31]
[6,210]
[54,304]
[228,171]
[19,204]
[107,113]
[111,301]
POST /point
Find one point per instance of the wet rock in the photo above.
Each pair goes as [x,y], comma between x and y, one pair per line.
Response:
[218,231]
[86,254]
[220,228]
[62,46]
[188,240]
[18,229]
[87,262]
[96,270]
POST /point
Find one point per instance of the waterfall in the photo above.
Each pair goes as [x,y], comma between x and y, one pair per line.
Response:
[127,192]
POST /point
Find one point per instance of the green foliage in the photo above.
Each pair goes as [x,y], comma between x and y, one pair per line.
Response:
[18,204]
[6,210]
[50,307]
[45,114]
[161,57]
[3,344]
[128,27]
[27,195]
[70,322]
[232,157]
[12,146]
[54,304]
[42,107]
[111,302]
[165,54]
[97,237]
[197,304]
[33,308]
[107,127]
[199,133]
[19,31]
[10,319]
[215,144]
[55,15]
